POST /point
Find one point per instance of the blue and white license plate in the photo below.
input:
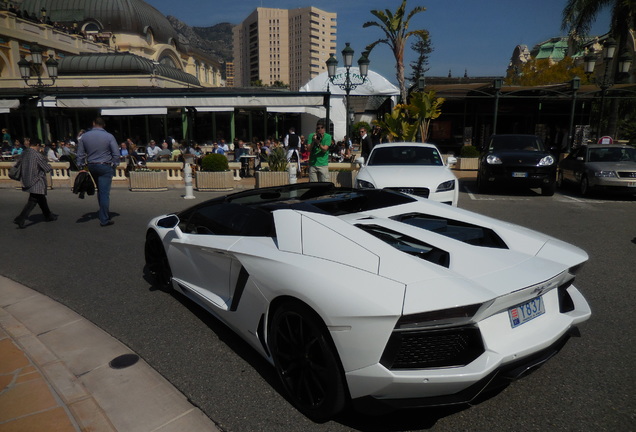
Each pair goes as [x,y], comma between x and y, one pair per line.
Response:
[526,311]
[520,174]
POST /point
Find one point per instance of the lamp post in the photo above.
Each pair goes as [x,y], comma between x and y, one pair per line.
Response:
[348,82]
[575,85]
[35,65]
[497,83]
[606,81]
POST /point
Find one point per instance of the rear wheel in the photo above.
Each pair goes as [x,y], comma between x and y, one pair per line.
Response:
[157,261]
[306,361]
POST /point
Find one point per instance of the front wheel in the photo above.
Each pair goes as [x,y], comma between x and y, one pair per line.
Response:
[306,361]
[548,190]
[157,261]
[584,186]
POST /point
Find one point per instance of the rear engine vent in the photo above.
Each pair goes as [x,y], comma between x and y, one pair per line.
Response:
[432,348]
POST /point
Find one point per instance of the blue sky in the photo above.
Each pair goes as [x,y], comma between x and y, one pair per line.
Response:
[477,36]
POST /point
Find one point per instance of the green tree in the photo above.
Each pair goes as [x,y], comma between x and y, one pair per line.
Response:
[422,46]
[395,27]
[406,120]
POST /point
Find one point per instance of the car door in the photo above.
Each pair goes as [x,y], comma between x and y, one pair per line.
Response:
[206,264]
[572,165]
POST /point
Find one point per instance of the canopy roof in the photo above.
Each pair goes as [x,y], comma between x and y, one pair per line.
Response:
[375,84]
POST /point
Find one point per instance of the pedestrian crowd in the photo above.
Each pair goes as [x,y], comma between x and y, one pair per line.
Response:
[97,153]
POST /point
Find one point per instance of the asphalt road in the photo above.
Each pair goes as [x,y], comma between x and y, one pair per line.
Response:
[98,272]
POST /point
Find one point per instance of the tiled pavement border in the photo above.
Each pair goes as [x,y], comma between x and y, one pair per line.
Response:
[58,362]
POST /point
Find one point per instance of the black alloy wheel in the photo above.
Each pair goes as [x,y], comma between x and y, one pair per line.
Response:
[157,262]
[306,361]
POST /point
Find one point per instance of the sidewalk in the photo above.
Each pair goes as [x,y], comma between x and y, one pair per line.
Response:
[61,373]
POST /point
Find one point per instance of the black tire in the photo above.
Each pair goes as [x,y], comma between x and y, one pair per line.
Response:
[306,361]
[548,190]
[482,185]
[157,262]
[584,186]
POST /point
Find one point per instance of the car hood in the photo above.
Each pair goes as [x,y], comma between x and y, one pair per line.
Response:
[520,157]
[611,166]
[400,176]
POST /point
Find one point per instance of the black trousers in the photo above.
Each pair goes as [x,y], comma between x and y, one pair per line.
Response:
[35,199]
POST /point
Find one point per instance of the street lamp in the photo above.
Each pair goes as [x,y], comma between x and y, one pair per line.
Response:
[348,83]
[497,83]
[35,65]
[606,81]
[575,85]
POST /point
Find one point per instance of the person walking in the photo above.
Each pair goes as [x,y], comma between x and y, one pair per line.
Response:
[98,150]
[292,144]
[319,143]
[33,169]
[366,144]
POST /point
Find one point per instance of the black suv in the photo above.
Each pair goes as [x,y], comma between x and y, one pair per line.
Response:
[517,160]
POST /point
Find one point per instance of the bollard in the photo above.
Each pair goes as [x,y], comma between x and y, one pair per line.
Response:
[292,173]
[187,174]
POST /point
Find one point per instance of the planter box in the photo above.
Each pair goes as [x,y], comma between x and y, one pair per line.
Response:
[271,178]
[208,181]
[343,178]
[467,164]
[148,181]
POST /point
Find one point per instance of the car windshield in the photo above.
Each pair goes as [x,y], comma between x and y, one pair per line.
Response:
[612,154]
[516,142]
[405,155]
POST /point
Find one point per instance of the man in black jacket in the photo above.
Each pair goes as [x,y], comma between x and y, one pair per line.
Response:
[366,145]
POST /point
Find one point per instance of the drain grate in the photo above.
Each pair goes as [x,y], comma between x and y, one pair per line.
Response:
[124,361]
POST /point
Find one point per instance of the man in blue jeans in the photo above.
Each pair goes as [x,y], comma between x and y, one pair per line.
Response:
[98,150]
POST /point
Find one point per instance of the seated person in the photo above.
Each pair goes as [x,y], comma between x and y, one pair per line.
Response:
[164,153]
[152,151]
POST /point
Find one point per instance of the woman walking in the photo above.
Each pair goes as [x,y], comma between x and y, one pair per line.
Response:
[33,169]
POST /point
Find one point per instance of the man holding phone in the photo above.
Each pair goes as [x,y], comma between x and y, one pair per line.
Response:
[319,143]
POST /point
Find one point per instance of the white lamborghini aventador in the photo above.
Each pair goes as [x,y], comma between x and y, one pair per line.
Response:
[372,296]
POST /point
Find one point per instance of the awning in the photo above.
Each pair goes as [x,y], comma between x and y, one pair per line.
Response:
[6,105]
[134,111]
[215,109]
[193,101]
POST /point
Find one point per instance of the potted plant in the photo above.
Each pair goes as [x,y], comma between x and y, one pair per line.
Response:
[215,174]
[277,173]
[468,158]
[148,180]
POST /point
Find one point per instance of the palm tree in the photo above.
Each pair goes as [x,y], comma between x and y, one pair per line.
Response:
[578,17]
[395,27]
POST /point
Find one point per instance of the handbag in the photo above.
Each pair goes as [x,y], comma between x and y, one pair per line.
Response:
[15,173]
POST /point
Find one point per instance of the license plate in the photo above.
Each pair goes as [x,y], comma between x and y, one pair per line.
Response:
[520,174]
[525,312]
[631,184]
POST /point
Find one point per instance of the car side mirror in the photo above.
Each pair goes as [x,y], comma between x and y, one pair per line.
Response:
[579,158]
[452,160]
[360,160]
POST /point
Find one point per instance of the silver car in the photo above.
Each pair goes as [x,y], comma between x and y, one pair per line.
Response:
[600,166]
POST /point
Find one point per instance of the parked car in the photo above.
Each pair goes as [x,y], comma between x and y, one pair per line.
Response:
[519,161]
[600,167]
[412,168]
[385,299]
